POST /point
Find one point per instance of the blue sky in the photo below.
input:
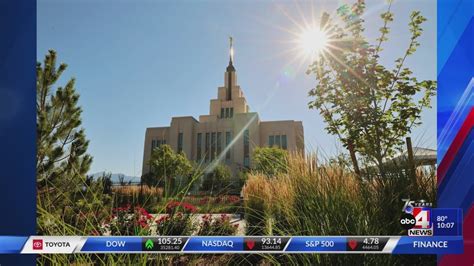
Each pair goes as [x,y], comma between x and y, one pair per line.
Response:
[138,63]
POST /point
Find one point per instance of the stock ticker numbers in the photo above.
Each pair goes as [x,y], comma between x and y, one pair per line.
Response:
[276,244]
[366,243]
[164,243]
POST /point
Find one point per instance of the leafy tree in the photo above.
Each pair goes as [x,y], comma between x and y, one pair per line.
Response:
[270,161]
[341,161]
[61,159]
[367,105]
[166,165]
[218,180]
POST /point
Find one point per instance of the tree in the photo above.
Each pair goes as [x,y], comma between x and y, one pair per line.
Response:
[121,179]
[369,107]
[63,189]
[61,159]
[151,180]
[166,165]
[270,161]
[217,180]
[105,180]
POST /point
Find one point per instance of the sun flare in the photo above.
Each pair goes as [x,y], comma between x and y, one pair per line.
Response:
[313,41]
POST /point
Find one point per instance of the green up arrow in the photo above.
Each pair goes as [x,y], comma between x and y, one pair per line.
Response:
[149,244]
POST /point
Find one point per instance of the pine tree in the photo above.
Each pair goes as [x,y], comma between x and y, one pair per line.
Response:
[61,159]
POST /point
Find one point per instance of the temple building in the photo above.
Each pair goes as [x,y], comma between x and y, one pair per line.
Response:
[228,134]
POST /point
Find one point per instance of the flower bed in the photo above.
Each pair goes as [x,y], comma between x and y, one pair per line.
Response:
[128,220]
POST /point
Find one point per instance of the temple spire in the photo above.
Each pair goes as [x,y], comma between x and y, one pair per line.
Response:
[230,67]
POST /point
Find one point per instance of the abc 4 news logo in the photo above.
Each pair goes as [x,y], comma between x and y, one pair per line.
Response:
[417,223]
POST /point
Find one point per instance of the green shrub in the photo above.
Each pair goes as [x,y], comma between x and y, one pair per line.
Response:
[217,181]
[270,161]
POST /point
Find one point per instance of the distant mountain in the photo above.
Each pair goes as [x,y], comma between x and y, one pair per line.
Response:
[115,177]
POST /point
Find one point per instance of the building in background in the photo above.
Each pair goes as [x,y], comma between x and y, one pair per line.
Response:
[228,134]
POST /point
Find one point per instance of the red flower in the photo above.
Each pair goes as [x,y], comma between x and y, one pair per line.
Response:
[143,212]
[162,219]
[233,199]
[143,224]
[204,200]
[189,207]
[173,205]
[170,206]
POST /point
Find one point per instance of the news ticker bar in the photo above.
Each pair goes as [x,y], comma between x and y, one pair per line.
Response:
[231,244]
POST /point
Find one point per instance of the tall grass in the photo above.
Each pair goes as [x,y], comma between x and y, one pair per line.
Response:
[325,199]
[145,196]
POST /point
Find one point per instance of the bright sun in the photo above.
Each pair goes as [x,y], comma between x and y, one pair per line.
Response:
[313,41]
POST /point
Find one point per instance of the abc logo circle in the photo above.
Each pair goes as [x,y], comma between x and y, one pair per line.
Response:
[407,221]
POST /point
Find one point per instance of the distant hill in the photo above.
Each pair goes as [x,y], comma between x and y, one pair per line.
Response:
[115,177]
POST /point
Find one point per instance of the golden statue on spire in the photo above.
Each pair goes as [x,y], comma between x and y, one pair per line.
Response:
[230,67]
[231,40]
